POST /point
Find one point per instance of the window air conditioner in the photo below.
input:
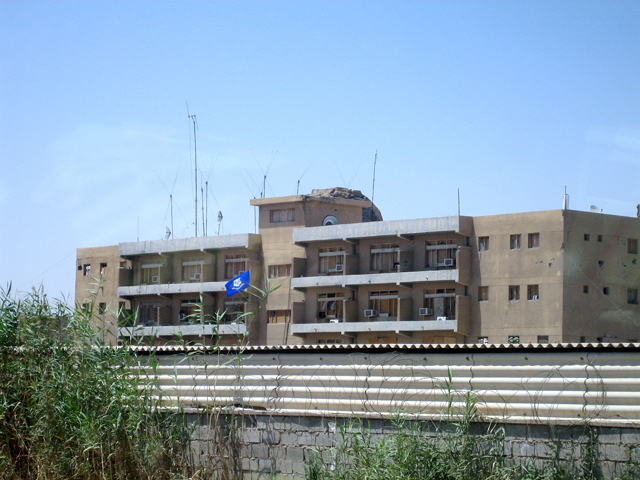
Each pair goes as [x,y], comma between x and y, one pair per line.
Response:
[196,276]
[425,311]
[334,320]
[441,319]
[339,268]
[370,313]
[154,279]
[448,262]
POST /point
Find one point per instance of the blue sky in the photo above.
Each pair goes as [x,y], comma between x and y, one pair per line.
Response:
[506,101]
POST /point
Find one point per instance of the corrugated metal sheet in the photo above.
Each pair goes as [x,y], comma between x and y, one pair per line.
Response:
[530,383]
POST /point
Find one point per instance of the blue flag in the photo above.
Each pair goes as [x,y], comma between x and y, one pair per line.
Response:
[238,284]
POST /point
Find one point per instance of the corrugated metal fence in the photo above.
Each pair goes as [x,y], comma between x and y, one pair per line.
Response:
[549,384]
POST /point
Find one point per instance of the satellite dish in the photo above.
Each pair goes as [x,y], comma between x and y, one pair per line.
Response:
[167,234]
[595,209]
[330,220]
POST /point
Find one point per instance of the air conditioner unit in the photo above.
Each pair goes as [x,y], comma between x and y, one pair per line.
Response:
[426,311]
[370,313]
[339,268]
[196,276]
[334,320]
[441,319]
[154,279]
[448,262]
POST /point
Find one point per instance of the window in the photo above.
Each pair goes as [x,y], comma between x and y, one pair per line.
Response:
[534,240]
[513,339]
[605,290]
[331,260]
[583,339]
[234,311]
[192,269]
[632,296]
[441,254]
[587,237]
[384,257]
[279,271]
[329,341]
[632,245]
[150,273]
[282,215]
[103,269]
[440,302]
[123,264]
[514,242]
[102,308]
[483,340]
[600,238]
[533,292]
[543,338]
[149,313]
[234,265]
[190,310]
[385,303]
[483,244]
[483,294]
[330,305]
[86,270]
[585,289]
[514,292]
[279,316]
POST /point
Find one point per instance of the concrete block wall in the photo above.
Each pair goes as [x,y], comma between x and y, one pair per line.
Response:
[261,446]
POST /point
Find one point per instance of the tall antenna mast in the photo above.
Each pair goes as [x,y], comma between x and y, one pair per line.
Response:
[204,226]
[206,211]
[195,157]
[171,203]
[373,189]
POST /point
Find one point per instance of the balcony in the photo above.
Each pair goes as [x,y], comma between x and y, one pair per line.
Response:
[393,228]
[170,289]
[397,278]
[183,330]
[193,244]
[351,328]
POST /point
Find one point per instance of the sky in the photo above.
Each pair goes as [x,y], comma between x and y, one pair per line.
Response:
[505,103]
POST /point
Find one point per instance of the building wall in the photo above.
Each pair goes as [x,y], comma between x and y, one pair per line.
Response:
[500,266]
[99,273]
[599,271]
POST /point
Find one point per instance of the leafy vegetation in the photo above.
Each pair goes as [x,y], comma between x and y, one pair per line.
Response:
[69,405]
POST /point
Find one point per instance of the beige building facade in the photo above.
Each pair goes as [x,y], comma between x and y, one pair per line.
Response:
[326,269]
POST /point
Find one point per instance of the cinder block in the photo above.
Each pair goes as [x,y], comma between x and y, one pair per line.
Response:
[258,450]
[267,466]
[543,450]
[271,437]
[251,436]
[615,453]
[298,468]
[289,438]
[295,454]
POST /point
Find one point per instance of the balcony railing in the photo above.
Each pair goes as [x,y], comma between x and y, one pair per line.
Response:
[183,330]
[375,326]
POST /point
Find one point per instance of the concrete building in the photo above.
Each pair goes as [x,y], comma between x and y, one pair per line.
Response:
[335,272]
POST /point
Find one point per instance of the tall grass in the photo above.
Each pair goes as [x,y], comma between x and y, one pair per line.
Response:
[70,407]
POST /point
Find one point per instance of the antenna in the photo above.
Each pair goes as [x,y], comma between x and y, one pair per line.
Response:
[458,201]
[219,220]
[195,158]
[373,189]
[565,199]
[171,203]
[204,227]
